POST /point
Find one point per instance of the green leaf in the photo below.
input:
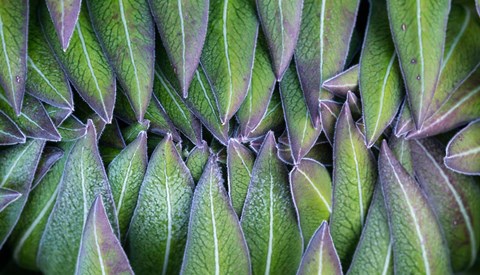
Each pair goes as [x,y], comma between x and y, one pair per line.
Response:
[50,156]
[228,53]
[261,88]
[125,29]
[355,105]
[373,254]
[311,189]
[301,133]
[418,29]
[280,22]
[269,220]
[454,197]
[329,111]
[463,150]
[9,132]
[100,250]
[183,34]
[83,180]
[85,64]
[460,108]
[197,159]
[26,237]
[17,168]
[405,122]
[271,120]
[112,136]
[33,121]
[320,256]
[46,79]
[354,177]
[57,115]
[71,129]
[343,82]
[125,174]
[403,152]
[239,166]
[201,101]
[131,132]
[7,197]
[323,45]
[461,56]
[418,244]
[216,244]
[13,61]
[64,14]
[381,83]
[163,209]
[176,109]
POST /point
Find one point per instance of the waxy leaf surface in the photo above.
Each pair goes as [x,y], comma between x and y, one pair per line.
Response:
[463,151]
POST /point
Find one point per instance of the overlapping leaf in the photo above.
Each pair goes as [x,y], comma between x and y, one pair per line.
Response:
[463,151]
[239,166]
[9,132]
[343,82]
[64,14]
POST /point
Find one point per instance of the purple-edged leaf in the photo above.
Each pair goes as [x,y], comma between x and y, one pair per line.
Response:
[460,108]
[320,256]
[354,178]
[13,57]
[125,174]
[125,29]
[163,209]
[64,14]
[268,219]
[343,82]
[418,243]
[329,111]
[301,132]
[355,105]
[131,132]
[418,29]
[57,115]
[404,123]
[280,22]
[9,132]
[46,79]
[7,197]
[83,180]
[321,151]
[197,159]
[454,197]
[25,239]
[403,152]
[311,189]
[374,250]
[463,150]
[323,45]
[381,84]
[477,3]
[461,56]
[228,53]
[216,244]
[71,129]
[100,250]
[176,108]
[239,167]
[183,30]
[271,120]
[17,168]
[49,157]
[33,121]
[85,64]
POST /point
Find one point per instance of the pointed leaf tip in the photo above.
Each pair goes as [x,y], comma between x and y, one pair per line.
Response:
[8,196]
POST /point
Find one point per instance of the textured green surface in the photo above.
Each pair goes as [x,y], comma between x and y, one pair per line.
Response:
[85,64]
[239,166]
[131,132]
[373,254]
[418,244]
[100,249]
[320,256]
[13,41]
[418,31]
[343,82]
[17,168]
[354,177]
[158,231]
[30,227]
[463,151]
[311,189]
[272,119]
[83,180]
[64,14]
[326,29]
[329,111]
[269,220]
[7,197]
[216,244]
[125,174]
[197,159]
[9,132]
[454,197]
[126,32]
[381,83]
